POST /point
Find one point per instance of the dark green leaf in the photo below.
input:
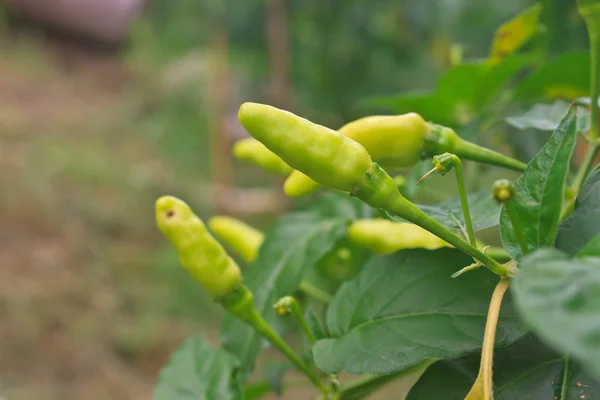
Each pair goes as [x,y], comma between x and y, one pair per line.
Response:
[591,248]
[524,370]
[539,191]
[559,298]
[566,77]
[196,371]
[404,307]
[547,117]
[485,212]
[291,247]
[584,224]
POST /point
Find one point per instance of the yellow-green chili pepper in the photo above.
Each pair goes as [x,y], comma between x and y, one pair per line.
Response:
[239,236]
[199,253]
[340,163]
[393,141]
[333,160]
[253,151]
[382,236]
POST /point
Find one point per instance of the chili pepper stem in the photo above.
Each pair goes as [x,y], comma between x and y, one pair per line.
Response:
[462,191]
[239,303]
[378,190]
[287,305]
[474,152]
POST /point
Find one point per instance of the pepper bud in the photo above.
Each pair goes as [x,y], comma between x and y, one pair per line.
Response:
[283,307]
[199,253]
[239,236]
[253,151]
[392,141]
[323,154]
[502,190]
[382,236]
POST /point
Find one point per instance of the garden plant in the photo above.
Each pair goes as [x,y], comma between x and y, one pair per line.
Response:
[382,288]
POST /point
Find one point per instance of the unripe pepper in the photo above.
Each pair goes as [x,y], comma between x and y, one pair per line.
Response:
[393,141]
[239,236]
[253,151]
[336,161]
[199,253]
[332,159]
[382,236]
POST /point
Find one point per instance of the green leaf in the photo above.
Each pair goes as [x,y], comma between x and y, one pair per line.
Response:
[566,77]
[547,117]
[524,370]
[539,191]
[591,248]
[291,248]
[485,212]
[559,298]
[515,33]
[404,308]
[584,224]
[195,371]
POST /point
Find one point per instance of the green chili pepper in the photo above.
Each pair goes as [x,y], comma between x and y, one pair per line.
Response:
[382,236]
[239,236]
[336,161]
[393,141]
[325,155]
[199,253]
[253,151]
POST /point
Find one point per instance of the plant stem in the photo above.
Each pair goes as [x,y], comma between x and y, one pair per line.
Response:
[239,303]
[590,11]
[418,217]
[289,304]
[462,191]
[315,292]
[482,389]
[472,151]
[516,223]
[379,190]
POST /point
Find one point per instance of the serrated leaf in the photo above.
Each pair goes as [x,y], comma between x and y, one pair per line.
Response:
[515,33]
[196,370]
[293,245]
[547,117]
[584,224]
[566,77]
[524,370]
[558,297]
[538,193]
[485,212]
[404,307]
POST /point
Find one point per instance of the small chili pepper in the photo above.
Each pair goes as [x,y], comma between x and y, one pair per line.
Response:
[325,155]
[382,236]
[199,253]
[239,236]
[253,151]
[393,141]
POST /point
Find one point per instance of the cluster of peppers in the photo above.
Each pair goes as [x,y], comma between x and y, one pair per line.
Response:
[353,159]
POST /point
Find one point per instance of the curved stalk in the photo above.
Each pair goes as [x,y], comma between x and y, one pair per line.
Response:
[379,190]
[239,303]
[482,388]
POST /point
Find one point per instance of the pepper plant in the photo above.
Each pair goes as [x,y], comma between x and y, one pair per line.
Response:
[383,288]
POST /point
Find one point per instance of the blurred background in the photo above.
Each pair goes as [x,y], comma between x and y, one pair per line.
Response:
[107,104]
